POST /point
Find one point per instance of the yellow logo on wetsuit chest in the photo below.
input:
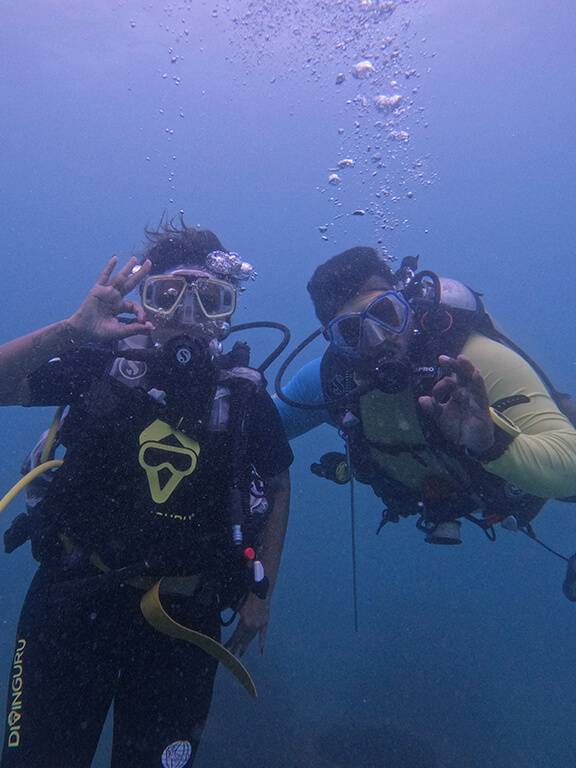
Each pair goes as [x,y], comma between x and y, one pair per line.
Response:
[167,456]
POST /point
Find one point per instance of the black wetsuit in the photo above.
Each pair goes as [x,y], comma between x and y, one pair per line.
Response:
[82,641]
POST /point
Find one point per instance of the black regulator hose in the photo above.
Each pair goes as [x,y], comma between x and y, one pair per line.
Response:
[277,351]
[282,371]
[416,284]
[151,354]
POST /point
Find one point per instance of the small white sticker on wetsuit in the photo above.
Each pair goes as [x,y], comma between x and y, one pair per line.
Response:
[177,754]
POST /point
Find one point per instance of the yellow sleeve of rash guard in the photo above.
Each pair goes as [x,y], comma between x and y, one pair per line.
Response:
[542,458]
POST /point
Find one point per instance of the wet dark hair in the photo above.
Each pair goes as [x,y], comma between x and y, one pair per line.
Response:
[173,244]
[341,278]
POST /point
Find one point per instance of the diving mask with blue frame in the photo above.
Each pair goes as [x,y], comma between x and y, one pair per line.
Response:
[358,333]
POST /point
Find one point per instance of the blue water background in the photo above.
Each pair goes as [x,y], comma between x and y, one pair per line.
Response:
[465,651]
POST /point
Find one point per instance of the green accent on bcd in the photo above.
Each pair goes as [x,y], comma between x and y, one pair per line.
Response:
[156,456]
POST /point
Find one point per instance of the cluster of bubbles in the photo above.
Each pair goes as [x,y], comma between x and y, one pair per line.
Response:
[367,48]
[177,25]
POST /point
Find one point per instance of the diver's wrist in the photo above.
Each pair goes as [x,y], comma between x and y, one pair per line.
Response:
[71,334]
[502,440]
[482,445]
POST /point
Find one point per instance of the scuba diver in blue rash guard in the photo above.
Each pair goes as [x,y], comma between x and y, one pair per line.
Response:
[445,417]
[169,507]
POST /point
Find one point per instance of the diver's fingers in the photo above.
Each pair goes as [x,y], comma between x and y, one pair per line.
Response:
[134,308]
[447,362]
[104,276]
[461,366]
[241,639]
[478,387]
[237,648]
[133,329]
[135,277]
[121,278]
[444,389]
[465,370]
[429,405]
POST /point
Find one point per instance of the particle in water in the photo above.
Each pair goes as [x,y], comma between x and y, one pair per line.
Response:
[340,78]
[410,195]
[387,103]
[323,228]
[334,179]
[399,136]
[363,69]
[347,162]
[358,212]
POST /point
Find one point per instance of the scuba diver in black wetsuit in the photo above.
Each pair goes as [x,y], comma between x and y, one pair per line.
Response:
[442,415]
[169,507]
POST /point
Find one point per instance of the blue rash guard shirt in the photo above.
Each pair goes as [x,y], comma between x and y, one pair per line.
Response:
[305,387]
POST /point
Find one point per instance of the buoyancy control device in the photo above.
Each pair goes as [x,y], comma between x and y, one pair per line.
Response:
[445,313]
